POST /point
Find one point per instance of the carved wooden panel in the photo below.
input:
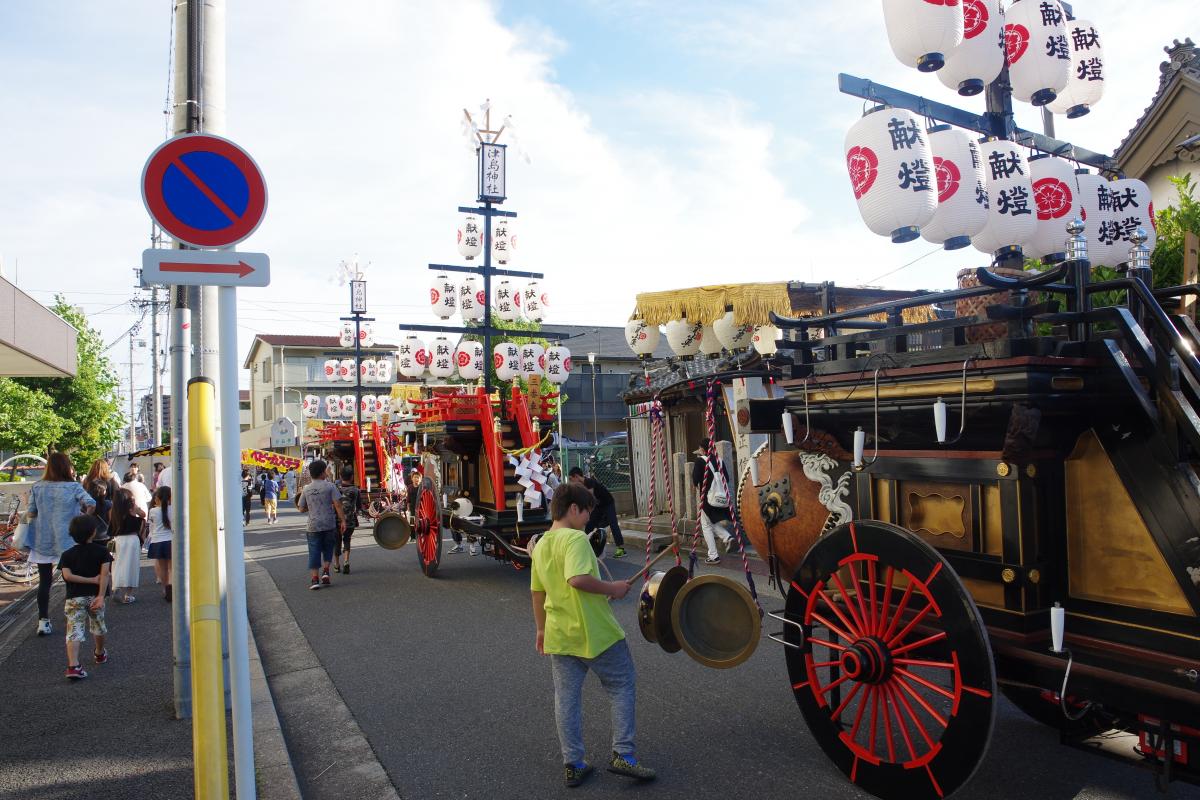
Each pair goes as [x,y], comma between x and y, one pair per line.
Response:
[940,513]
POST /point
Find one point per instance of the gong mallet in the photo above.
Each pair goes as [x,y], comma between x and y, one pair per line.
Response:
[674,548]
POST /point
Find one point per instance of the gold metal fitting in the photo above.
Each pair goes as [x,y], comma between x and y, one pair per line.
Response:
[1035,576]
[1031,470]
[1008,575]
[1002,469]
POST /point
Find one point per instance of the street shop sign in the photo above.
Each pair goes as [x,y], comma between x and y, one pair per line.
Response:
[204,190]
[269,460]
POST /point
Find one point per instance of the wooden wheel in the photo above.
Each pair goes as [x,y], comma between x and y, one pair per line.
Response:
[894,675]
[428,530]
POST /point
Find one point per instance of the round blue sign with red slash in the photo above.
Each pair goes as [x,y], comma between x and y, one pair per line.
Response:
[204,190]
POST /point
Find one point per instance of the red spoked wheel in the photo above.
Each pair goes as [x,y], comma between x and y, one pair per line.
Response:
[894,675]
[428,531]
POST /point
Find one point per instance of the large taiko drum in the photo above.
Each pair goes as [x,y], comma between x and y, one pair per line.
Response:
[798,495]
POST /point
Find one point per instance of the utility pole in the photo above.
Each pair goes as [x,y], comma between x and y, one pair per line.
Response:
[132,415]
[155,381]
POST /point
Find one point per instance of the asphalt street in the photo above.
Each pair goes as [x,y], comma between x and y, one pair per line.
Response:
[443,679]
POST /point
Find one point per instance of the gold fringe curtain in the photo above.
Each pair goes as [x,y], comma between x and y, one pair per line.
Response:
[751,303]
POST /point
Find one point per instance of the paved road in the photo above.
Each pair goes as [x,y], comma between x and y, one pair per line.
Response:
[443,679]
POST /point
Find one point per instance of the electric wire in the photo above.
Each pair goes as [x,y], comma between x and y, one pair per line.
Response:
[903,266]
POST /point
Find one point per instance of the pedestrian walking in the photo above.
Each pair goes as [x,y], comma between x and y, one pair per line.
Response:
[271,497]
[159,468]
[161,536]
[714,504]
[351,506]
[604,515]
[53,502]
[98,489]
[321,500]
[289,481]
[85,569]
[577,629]
[141,495]
[247,495]
[127,525]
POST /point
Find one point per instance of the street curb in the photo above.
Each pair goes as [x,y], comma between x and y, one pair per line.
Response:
[301,687]
[274,775]
[12,634]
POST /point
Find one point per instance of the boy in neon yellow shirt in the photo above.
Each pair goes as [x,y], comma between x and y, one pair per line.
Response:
[577,629]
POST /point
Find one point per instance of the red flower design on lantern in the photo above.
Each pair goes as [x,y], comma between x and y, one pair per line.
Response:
[480,297]
[947,178]
[1016,42]
[423,357]
[975,18]
[464,358]
[497,360]
[567,363]
[1053,198]
[863,165]
[434,296]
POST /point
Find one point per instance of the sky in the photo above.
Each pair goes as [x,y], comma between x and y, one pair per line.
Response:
[665,148]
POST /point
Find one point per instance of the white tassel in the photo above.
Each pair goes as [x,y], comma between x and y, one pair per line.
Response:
[789,430]
[860,444]
[754,471]
[520,507]
[939,420]
[1058,624]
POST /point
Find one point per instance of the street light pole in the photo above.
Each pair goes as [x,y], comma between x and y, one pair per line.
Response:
[595,435]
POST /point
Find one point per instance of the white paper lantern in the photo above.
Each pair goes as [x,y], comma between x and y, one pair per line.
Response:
[333,406]
[733,337]
[1095,208]
[1012,217]
[347,405]
[441,354]
[411,360]
[1086,84]
[1054,192]
[472,302]
[383,404]
[891,173]
[532,301]
[710,345]
[1132,208]
[470,237]
[684,337]
[443,296]
[469,357]
[366,335]
[507,304]
[506,357]
[383,370]
[366,406]
[346,369]
[558,364]
[979,57]
[1038,53]
[346,335]
[961,212]
[641,338]
[331,369]
[533,360]
[368,369]
[922,32]
[311,405]
[763,339]
[504,241]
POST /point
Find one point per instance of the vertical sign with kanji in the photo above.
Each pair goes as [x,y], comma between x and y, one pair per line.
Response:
[358,297]
[491,173]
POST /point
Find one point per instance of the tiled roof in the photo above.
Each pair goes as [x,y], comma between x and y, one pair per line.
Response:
[1182,59]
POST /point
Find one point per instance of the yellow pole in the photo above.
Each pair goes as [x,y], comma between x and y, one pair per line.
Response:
[208,682]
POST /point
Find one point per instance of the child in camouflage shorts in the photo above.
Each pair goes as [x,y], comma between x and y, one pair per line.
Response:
[85,569]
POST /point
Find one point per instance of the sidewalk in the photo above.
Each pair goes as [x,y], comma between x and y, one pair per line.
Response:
[113,735]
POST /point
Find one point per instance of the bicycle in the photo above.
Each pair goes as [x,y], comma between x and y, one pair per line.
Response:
[15,566]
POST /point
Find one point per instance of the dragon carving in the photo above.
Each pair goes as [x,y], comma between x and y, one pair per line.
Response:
[815,466]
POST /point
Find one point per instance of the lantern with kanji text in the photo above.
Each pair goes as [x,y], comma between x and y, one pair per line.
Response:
[443,296]
[731,335]
[506,357]
[532,296]
[441,357]
[641,338]
[891,173]
[1012,217]
[507,305]
[684,337]
[962,198]
[472,302]
[978,58]
[469,358]
[383,370]
[558,364]
[1036,47]
[1132,208]
[1054,192]
[346,369]
[764,339]
[346,335]
[504,241]
[470,237]
[533,361]
[921,32]
[311,405]
[1085,86]
[331,369]
[411,359]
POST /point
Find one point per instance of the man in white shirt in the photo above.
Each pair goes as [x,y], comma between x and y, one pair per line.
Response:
[141,495]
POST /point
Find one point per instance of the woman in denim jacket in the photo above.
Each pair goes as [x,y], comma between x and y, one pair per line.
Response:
[53,502]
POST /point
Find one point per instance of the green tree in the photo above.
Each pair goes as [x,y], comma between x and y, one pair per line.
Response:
[87,404]
[1173,224]
[522,325]
[28,423]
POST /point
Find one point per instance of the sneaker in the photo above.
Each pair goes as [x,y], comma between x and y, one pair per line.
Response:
[630,768]
[573,776]
[619,552]
[102,656]
[713,559]
[316,584]
[43,627]
[325,579]
[346,568]
[474,550]
[76,672]
[730,545]
[458,548]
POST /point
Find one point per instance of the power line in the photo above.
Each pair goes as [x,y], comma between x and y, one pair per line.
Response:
[903,266]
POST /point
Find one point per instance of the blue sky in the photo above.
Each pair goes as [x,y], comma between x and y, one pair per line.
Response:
[669,145]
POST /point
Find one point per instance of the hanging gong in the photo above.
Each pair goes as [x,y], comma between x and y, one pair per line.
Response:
[654,607]
[716,621]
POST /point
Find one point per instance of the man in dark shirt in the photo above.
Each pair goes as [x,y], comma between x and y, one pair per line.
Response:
[85,572]
[604,515]
[351,501]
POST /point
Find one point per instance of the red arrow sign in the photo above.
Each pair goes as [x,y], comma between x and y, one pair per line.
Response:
[241,269]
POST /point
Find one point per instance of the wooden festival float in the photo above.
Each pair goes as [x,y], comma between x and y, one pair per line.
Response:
[1004,499]
[480,447]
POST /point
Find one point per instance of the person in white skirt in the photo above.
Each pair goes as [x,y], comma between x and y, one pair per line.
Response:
[159,521]
[127,526]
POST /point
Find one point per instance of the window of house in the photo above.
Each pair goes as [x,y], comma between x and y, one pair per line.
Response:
[265,369]
[267,409]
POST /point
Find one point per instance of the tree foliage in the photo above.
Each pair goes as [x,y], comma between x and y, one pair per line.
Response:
[1173,223]
[87,404]
[28,423]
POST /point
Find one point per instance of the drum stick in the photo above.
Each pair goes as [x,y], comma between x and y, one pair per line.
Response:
[666,552]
